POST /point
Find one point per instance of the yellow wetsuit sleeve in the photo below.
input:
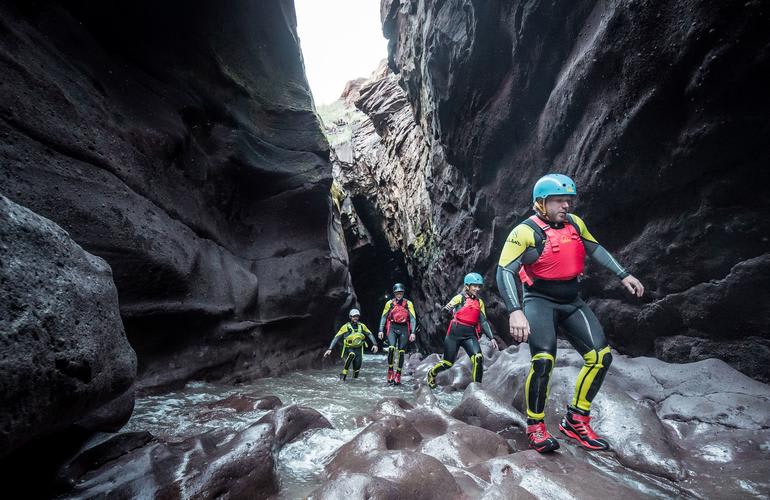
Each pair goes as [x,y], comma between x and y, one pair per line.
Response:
[368,334]
[456,300]
[412,315]
[517,242]
[340,332]
[384,317]
[584,233]
[521,238]
[597,252]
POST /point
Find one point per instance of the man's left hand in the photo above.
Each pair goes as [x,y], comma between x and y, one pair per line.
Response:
[374,349]
[412,337]
[633,285]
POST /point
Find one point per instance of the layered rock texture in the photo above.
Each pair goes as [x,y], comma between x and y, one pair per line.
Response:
[382,167]
[179,143]
[656,110]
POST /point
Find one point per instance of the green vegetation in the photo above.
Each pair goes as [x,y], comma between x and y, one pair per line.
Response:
[337,119]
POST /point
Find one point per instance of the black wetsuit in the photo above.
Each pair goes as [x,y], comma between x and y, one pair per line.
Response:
[353,344]
[548,303]
[398,333]
[465,336]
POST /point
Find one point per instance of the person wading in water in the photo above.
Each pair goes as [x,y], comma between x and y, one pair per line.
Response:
[399,322]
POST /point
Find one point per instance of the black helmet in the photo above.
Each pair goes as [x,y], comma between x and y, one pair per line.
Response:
[399,287]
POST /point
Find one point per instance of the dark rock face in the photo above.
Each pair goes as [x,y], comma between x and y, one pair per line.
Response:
[64,359]
[179,143]
[658,112]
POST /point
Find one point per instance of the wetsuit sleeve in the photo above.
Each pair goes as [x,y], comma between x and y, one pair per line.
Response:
[384,317]
[521,238]
[412,315]
[369,334]
[456,300]
[483,321]
[339,335]
[597,252]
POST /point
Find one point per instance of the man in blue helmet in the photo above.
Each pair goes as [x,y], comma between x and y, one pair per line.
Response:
[399,322]
[469,319]
[546,254]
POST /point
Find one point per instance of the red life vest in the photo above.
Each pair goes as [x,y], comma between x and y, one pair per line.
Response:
[563,256]
[398,312]
[468,314]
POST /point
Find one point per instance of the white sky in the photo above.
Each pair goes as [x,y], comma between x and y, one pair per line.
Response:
[341,40]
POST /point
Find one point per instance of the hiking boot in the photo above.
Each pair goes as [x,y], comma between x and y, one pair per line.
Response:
[540,440]
[397,379]
[578,427]
[391,374]
[343,377]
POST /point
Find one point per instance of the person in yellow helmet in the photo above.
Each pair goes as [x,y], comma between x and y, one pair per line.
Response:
[546,254]
[352,334]
[398,321]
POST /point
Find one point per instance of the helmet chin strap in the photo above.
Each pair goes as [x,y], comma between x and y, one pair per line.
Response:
[539,207]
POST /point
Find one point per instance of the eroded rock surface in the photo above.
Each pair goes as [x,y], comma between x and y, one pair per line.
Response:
[657,111]
[64,359]
[179,143]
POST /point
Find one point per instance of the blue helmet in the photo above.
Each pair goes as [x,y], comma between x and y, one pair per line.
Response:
[399,287]
[473,279]
[553,185]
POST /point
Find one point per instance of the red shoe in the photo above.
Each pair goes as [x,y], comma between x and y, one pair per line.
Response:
[540,440]
[578,427]
[390,375]
[397,379]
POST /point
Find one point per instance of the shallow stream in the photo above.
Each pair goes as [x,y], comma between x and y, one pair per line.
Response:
[184,413]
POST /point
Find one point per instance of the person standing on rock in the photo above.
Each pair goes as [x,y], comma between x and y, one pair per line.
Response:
[352,334]
[547,253]
[399,322]
[469,320]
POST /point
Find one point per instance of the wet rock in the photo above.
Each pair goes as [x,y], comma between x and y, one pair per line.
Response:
[64,357]
[724,462]
[217,463]
[465,445]
[244,403]
[484,409]
[291,421]
[417,475]
[98,452]
[390,406]
[554,476]
[388,433]
[358,486]
[190,159]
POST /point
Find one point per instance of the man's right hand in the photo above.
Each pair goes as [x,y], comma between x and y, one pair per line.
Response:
[518,326]
[327,353]
[380,335]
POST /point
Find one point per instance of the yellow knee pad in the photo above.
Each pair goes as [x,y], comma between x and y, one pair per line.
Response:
[594,363]
[543,363]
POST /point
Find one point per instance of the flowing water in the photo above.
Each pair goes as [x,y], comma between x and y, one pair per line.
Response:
[184,413]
